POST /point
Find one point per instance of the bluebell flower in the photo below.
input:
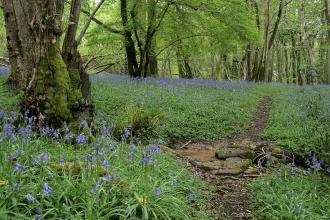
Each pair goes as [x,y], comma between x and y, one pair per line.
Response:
[106,163]
[98,185]
[196,174]
[328,170]
[296,208]
[29,198]
[14,185]
[19,168]
[292,168]
[317,166]
[44,158]
[81,139]
[39,213]
[131,152]
[114,177]
[33,160]
[108,178]
[69,136]
[155,148]
[157,192]
[105,132]
[46,189]
[7,130]
[116,153]
[89,158]
[112,144]
[11,157]
[82,124]
[62,159]
[308,171]
[146,158]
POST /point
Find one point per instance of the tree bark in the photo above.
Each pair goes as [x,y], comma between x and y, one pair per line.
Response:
[132,64]
[51,91]
[327,22]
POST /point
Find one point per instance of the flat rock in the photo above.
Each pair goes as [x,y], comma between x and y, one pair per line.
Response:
[225,153]
[230,166]
[251,171]
[227,171]
[237,162]
[212,165]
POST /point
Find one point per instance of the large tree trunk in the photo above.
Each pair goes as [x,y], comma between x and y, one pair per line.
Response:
[52,90]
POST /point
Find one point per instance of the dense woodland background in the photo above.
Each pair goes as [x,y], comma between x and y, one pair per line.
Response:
[261,40]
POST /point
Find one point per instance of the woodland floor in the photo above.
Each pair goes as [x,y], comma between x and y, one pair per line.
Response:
[230,198]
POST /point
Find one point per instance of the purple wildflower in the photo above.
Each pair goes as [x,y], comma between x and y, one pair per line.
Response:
[157,192]
[112,144]
[39,213]
[114,177]
[296,208]
[196,174]
[62,159]
[308,171]
[69,136]
[14,186]
[106,163]
[146,158]
[33,160]
[292,168]
[155,148]
[44,158]
[29,198]
[116,153]
[81,139]
[11,157]
[19,168]
[46,189]
[108,178]
[56,134]
[97,186]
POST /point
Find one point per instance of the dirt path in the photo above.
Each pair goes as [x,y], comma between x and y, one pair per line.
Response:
[227,166]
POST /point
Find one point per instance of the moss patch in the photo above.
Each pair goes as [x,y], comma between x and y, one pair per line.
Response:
[53,85]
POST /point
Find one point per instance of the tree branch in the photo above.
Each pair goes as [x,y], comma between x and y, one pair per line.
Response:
[84,30]
[97,21]
[179,39]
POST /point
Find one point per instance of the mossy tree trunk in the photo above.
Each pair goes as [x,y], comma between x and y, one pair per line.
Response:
[56,88]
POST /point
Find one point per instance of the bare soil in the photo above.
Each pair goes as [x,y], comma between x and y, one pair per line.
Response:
[230,198]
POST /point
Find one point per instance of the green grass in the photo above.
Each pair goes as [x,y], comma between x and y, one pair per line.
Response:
[295,197]
[183,112]
[139,182]
[300,121]
[75,195]
[171,111]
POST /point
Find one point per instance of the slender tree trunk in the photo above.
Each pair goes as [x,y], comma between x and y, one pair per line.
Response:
[327,22]
[248,63]
[307,44]
[179,59]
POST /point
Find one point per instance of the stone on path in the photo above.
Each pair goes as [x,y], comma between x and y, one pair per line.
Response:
[228,152]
